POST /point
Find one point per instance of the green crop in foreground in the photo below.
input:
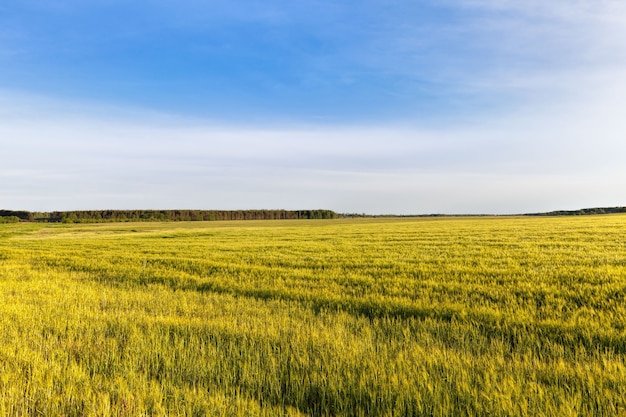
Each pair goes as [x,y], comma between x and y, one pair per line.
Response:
[401,317]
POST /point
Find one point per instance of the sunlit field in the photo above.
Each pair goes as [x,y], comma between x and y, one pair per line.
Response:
[357,317]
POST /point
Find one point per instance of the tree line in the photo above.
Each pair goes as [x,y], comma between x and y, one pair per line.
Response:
[103,216]
[582,212]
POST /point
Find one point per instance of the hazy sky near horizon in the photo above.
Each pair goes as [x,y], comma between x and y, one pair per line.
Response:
[424,106]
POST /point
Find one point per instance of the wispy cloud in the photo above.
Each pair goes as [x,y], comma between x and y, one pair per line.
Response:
[60,159]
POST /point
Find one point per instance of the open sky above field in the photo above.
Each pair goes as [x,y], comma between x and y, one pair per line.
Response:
[394,106]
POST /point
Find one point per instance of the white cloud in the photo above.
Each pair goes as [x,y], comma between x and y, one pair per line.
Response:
[526,51]
[60,159]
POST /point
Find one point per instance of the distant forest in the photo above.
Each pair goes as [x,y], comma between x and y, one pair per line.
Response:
[104,216]
[596,210]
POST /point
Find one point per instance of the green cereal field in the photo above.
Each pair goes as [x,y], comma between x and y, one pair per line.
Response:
[473,316]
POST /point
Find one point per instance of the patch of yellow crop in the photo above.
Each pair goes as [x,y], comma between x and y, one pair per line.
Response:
[366,317]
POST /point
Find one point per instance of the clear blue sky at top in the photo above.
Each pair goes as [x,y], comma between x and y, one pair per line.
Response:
[310,61]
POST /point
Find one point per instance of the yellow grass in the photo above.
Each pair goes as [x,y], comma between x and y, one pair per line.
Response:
[369,317]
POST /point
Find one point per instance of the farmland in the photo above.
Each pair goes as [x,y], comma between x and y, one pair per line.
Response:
[352,317]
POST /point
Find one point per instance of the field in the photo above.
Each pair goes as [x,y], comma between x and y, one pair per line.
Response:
[361,317]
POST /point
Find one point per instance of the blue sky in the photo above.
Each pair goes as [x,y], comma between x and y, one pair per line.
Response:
[467,106]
